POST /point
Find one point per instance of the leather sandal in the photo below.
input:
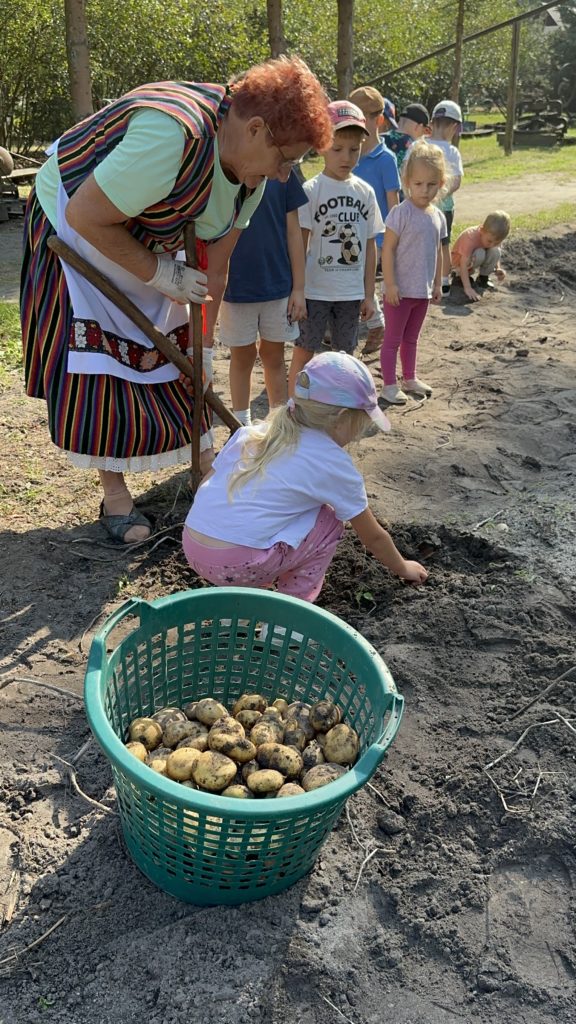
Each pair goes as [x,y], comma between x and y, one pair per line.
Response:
[117,526]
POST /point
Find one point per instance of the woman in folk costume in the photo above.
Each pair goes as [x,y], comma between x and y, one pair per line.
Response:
[119,188]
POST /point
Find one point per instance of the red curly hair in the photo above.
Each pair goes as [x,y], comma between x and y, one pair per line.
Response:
[289,97]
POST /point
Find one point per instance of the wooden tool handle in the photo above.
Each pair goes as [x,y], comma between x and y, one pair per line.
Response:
[173,354]
[196,339]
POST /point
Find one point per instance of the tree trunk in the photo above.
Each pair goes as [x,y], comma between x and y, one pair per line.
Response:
[78,59]
[275,31]
[458,47]
[345,65]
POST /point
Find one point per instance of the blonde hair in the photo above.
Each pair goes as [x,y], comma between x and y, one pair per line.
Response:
[498,223]
[429,154]
[284,426]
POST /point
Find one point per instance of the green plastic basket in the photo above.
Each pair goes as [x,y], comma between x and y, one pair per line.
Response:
[208,849]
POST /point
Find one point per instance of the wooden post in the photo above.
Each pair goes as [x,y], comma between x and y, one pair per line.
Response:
[275,28]
[78,59]
[512,90]
[345,63]
[458,50]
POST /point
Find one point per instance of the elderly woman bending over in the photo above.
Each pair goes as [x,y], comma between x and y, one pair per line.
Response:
[119,188]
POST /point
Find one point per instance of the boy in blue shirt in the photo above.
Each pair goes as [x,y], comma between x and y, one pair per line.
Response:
[377,166]
[264,296]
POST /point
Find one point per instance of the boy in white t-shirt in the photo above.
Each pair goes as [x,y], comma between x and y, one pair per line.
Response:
[446,123]
[339,225]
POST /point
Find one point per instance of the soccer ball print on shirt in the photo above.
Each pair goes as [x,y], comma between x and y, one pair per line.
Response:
[341,217]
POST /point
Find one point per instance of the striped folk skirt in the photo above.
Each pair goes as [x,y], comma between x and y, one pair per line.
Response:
[103,422]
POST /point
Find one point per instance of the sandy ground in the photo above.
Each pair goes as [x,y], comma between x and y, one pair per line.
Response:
[466,913]
[528,194]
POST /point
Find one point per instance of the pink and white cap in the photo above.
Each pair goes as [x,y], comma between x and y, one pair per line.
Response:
[335,378]
[345,114]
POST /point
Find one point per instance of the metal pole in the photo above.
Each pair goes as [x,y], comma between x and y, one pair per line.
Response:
[512,90]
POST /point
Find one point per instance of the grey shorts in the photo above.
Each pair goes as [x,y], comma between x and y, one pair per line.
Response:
[343,319]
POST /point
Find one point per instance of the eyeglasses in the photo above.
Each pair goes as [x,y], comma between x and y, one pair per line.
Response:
[286,162]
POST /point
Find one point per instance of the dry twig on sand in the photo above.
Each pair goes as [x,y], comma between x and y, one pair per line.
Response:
[544,693]
[488,519]
[487,768]
[334,1007]
[80,792]
[370,853]
[13,958]
[16,956]
[40,682]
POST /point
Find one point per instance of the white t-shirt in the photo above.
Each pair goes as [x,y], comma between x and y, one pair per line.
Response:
[454,167]
[341,216]
[282,504]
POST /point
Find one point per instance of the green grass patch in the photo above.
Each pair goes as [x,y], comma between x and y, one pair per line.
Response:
[10,337]
[485,160]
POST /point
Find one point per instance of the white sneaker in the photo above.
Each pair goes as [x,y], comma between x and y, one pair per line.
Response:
[418,387]
[394,395]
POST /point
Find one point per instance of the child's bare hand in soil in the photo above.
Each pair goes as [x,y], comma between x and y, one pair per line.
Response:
[471,294]
[414,573]
[500,273]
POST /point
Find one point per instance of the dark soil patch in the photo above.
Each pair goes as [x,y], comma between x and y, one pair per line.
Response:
[466,912]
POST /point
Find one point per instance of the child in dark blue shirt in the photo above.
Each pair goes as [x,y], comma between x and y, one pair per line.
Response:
[264,297]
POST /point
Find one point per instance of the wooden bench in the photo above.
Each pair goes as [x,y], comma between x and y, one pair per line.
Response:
[23,174]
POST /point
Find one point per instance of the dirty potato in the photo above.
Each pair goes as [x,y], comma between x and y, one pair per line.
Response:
[265,782]
[342,745]
[286,760]
[248,718]
[324,715]
[197,737]
[181,763]
[294,736]
[209,711]
[238,792]
[214,771]
[146,731]
[165,715]
[312,755]
[281,705]
[250,702]
[137,749]
[321,775]
[290,789]
[175,732]
[248,769]
[299,714]
[242,751]
[158,764]
[159,752]
[190,710]
[269,729]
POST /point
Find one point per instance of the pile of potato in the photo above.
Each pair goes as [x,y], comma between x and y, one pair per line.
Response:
[254,750]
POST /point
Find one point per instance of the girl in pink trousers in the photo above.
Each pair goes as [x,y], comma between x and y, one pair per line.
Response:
[412,269]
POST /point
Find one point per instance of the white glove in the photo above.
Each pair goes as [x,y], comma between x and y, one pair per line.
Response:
[207,364]
[179,282]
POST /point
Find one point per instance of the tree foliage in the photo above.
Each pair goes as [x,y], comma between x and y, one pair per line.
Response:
[139,41]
